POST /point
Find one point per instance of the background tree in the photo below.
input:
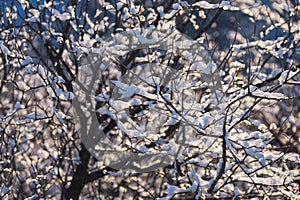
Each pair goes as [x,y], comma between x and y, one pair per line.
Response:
[255,46]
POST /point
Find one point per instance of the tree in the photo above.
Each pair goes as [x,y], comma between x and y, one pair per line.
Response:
[149,99]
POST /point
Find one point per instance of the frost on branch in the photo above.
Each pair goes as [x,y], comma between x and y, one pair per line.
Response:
[234,137]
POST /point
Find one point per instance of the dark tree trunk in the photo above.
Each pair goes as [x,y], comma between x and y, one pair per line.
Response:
[80,175]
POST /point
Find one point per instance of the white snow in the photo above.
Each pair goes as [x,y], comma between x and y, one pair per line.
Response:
[27,61]
[287,75]
[33,116]
[135,102]
[269,95]
[64,95]
[19,106]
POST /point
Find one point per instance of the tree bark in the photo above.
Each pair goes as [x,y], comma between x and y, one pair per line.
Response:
[80,175]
